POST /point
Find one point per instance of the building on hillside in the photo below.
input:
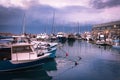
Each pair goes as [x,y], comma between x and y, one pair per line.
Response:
[110,31]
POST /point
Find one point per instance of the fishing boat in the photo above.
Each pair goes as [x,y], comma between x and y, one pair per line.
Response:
[61,37]
[43,36]
[78,36]
[40,46]
[45,47]
[101,40]
[71,37]
[20,56]
[52,37]
[116,43]
[89,37]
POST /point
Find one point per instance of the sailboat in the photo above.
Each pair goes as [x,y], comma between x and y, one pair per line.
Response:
[78,35]
[53,36]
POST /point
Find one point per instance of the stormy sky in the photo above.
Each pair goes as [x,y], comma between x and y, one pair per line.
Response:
[39,13]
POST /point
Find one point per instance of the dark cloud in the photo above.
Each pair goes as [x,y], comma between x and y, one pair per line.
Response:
[41,10]
[36,17]
[38,13]
[10,15]
[99,4]
[11,19]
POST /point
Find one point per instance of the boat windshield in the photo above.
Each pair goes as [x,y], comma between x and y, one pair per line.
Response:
[21,49]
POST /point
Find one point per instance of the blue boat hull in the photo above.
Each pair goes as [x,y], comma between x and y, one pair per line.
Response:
[53,52]
[7,65]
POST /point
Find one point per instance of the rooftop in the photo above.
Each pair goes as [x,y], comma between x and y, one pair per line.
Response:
[107,24]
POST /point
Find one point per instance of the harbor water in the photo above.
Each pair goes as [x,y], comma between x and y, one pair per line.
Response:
[78,60]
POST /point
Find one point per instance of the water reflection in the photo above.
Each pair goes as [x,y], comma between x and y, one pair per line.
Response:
[116,50]
[97,63]
[36,73]
[50,66]
[71,42]
[63,41]
[33,74]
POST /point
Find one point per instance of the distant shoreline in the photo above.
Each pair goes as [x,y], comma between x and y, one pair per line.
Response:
[6,34]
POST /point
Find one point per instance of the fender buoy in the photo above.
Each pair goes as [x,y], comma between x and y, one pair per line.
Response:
[76,63]
[66,54]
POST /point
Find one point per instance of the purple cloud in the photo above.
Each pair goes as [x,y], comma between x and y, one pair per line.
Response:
[99,4]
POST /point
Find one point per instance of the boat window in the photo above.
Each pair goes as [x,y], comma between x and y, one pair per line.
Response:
[21,49]
[5,53]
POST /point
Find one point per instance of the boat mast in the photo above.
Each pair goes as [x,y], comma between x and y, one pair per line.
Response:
[53,28]
[78,28]
[23,28]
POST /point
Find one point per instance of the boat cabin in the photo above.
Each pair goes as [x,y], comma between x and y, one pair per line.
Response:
[15,52]
[23,51]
